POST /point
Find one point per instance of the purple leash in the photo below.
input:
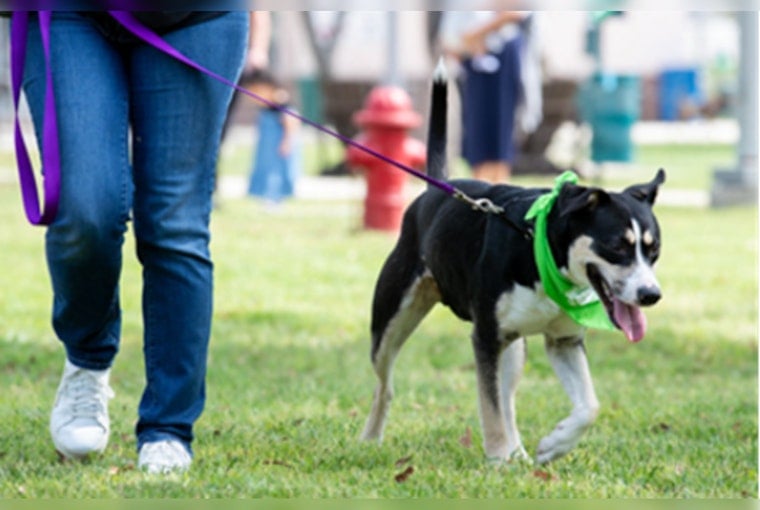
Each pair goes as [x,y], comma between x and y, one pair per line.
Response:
[130,23]
[51,153]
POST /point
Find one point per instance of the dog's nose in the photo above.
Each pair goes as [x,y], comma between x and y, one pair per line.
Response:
[648,296]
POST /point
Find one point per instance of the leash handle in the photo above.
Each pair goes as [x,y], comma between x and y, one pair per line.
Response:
[50,152]
[145,34]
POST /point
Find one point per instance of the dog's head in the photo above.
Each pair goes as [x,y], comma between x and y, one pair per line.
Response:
[613,242]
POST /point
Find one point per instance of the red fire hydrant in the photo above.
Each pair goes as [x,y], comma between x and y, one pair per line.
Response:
[385,120]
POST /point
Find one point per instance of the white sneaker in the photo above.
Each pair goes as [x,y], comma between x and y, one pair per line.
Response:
[166,456]
[79,422]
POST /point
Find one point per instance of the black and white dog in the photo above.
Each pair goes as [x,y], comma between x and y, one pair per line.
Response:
[484,270]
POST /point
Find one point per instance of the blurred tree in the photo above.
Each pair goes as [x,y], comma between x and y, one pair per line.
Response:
[323,29]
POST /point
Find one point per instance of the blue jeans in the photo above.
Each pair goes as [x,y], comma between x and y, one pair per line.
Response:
[163,175]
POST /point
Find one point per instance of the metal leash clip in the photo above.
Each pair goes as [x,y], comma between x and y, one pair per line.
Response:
[486,206]
[478,204]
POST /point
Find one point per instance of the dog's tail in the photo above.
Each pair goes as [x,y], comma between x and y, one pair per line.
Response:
[436,144]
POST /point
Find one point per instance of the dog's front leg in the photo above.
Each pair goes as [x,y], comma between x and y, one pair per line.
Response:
[492,418]
[511,364]
[568,357]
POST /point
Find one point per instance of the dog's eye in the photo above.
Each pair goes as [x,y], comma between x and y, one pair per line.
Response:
[616,251]
[653,252]
[620,246]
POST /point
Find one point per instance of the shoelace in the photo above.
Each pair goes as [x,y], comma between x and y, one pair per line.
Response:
[89,397]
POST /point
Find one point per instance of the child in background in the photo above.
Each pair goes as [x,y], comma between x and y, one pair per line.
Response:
[277,154]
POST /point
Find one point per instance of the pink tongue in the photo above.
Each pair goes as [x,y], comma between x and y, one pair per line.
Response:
[630,319]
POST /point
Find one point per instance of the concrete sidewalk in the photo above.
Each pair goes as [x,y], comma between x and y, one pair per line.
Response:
[354,188]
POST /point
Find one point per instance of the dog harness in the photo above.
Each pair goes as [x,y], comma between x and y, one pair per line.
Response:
[582,304]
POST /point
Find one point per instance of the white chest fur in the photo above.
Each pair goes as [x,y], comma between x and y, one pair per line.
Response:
[529,311]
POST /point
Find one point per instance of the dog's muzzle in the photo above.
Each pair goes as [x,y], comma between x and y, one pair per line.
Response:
[626,316]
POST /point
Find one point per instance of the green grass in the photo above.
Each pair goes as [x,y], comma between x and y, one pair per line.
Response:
[290,381]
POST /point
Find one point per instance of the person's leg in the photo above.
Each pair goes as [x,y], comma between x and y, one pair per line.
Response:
[177,117]
[482,125]
[83,244]
[489,104]
[495,172]
[264,156]
[508,97]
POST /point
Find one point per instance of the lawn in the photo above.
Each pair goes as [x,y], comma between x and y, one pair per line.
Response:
[290,381]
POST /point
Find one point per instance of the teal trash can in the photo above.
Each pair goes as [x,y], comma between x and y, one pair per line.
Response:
[311,99]
[611,104]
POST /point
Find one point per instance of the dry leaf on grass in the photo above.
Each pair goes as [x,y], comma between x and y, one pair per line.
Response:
[404,475]
[403,461]
[275,462]
[544,475]
[466,439]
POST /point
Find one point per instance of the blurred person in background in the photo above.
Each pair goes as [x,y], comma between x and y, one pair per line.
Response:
[499,77]
[276,158]
[257,58]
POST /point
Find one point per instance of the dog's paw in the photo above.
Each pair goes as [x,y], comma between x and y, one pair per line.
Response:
[517,456]
[371,436]
[554,446]
[520,456]
[563,438]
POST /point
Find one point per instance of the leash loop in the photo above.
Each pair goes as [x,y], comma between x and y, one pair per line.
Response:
[36,213]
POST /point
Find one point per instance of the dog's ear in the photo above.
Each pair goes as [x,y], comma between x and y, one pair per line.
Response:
[647,192]
[574,198]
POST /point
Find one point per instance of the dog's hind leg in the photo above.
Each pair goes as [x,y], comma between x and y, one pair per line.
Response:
[568,357]
[389,332]
[511,364]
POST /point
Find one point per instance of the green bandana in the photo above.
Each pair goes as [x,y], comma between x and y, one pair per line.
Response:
[580,303]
